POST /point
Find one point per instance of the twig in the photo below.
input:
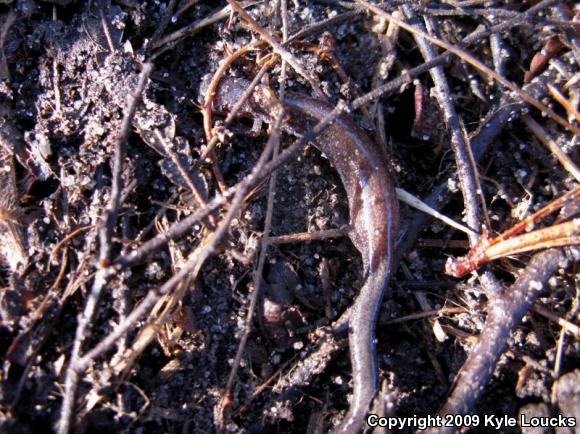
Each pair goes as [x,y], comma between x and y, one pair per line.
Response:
[462,54]
[164,21]
[572,111]
[506,243]
[411,200]
[212,88]
[563,234]
[504,315]
[497,44]
[189,270]
[168,148]
[320,26]
[190,30]
[106,30]
[105,236]
[186,6]
[56,86]
[227,394]
[427,314]
[66,239]
[278,48]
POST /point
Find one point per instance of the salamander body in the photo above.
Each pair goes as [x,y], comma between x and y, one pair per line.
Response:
[373,209]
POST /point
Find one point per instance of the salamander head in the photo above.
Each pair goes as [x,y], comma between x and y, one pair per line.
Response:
[262,103]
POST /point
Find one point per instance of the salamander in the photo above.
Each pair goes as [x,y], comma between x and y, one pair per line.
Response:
[373,209]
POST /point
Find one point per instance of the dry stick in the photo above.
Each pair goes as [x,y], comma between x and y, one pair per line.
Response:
[260,388]
[278,48]
[462,54]
[170,41]
[66,239]
[567,233]
[486,12]
[497,44]
[321,25]
[190,30]
[56,87]
[105,238]
[163,22]
[426,314]
[185,6]
[516,19]
[178,229]
[121,363]
[558,359]
[121,293]
[107,31]
[572,111]
[309,236]
[414,202]
[192,267]
[214,84]
[506,243]
[504,314]
[566,325]
[463,159]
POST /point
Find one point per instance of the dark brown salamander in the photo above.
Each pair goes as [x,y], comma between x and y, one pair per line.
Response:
[373,218]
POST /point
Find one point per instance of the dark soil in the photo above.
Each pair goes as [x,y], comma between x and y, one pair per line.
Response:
[67,71]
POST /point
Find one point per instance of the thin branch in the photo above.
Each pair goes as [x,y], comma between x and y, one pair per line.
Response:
[504,315]
[462,54]
[278,48]
[189,270]
[105,237]
[273,143]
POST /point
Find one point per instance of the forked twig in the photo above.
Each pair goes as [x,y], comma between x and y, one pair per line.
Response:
[504,315]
